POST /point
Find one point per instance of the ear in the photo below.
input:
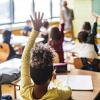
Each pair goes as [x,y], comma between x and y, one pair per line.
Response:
[53,76]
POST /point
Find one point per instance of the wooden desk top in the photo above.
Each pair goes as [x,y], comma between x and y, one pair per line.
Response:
[86,95]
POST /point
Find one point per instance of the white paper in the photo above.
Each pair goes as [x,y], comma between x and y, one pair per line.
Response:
[76,82]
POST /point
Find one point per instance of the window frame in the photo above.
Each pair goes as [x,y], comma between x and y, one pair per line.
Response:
[12,14]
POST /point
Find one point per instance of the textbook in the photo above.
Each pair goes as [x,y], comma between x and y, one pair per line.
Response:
[75,82]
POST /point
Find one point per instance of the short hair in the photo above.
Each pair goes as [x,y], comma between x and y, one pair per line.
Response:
[45,24]
[41,63]
[28,21]
[6,36]
[55,34]
[82,36]
[87,26]
[64,3]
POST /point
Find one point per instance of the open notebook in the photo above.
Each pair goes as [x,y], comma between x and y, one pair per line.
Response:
[76,82]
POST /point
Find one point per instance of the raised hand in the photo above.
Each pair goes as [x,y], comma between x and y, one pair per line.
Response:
[96,18]
[37,21]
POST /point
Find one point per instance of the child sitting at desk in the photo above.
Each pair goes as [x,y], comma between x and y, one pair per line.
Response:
[27,29]
[44,31]
[39,67]
[91,35]
[6,49]
[56,41]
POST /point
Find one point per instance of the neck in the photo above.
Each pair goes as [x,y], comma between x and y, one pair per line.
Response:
[39,90]
[66,7]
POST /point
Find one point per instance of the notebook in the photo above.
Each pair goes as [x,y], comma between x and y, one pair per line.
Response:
[76,82]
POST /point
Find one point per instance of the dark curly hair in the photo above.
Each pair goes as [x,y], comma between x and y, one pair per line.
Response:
[45,24]
[41,63]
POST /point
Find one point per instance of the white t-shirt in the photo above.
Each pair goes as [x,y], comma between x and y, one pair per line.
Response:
[85,50]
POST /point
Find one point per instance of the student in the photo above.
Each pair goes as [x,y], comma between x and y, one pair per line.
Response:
[39,67]
[91,35]
[83,49]
[27,29]
[56,39]
[6,40]
[44,31]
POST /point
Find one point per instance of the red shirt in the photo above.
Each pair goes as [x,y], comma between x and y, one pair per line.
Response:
[57,45]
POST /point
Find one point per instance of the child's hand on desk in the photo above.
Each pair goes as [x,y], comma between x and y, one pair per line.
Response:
[37,21]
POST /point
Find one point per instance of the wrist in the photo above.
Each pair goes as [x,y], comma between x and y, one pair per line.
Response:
[37,29]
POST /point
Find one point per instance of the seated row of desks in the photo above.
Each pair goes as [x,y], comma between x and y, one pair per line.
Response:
[76,95]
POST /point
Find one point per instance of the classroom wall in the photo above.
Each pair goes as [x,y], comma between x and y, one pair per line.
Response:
[83,12]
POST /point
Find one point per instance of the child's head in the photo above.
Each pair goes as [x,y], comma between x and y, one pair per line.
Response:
[46,24]
[28,22]
[41,63]
[82,36]
[55,34]
[6,36]
[28,28]
[86,27]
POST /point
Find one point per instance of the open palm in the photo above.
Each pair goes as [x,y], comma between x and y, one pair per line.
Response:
[37,21]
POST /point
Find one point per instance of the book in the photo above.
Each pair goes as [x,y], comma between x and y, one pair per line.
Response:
[75,82]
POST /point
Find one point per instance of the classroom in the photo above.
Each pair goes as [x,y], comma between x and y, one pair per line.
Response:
[50,50]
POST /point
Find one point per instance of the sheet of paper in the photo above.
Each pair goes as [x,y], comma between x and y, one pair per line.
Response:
[76,82]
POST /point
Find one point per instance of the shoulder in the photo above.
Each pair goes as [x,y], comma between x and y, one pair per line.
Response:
[61,93]
[71,10]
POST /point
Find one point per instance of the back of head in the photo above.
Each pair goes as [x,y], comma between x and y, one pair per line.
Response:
[82,36]
[28,22]
[86,26]
[46,24]
[55,34]
[41,63]
[6,36]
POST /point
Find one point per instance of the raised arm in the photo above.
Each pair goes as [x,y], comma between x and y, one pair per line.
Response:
[25,68]
[94,29]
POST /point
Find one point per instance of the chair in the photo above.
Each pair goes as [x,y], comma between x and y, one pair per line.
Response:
[9,88]
[78,63]
[87,64]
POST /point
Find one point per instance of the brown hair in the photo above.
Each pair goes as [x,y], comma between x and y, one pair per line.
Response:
[82,36]
[41,63]
[87,26]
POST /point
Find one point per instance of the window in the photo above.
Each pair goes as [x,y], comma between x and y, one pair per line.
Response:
[16,11]
[22,10]
[4,11]
[55,8]
[43,6]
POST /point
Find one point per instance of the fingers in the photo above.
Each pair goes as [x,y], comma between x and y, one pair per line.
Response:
[39,17]
[35,15]
[42,16]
